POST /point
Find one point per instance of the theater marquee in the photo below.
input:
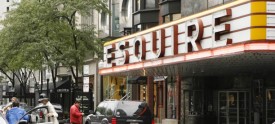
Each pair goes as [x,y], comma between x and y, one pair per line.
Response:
[223,30]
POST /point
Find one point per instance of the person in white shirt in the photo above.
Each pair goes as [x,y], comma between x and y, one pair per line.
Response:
[52,115]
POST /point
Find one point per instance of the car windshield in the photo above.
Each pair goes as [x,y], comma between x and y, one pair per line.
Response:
[128,108]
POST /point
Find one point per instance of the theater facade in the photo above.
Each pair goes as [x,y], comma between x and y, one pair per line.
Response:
[214,67]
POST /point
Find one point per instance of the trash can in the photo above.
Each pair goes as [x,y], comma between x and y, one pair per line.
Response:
[169,121]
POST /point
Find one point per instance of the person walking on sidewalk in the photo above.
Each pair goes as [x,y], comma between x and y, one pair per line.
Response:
[75,114]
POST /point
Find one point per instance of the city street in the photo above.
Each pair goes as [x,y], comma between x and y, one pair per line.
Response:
[137,61]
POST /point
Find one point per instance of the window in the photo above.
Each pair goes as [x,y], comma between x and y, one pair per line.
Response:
[8,0]
[196,102]
[125,9]
[150,4]
[176,16]
[8,9]
[138,27]
[110,108]
[172,17]
[124,109]
[171,100]
[270,105]
[137,5]
[233,107]
[103,18]
[101,109]
[166,18]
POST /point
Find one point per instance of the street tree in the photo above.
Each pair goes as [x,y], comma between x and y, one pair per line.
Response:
[46,32]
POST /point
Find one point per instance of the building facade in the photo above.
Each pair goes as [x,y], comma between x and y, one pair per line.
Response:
[213,65]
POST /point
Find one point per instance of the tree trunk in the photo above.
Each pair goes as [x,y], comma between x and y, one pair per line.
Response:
[54,79]
[41,81]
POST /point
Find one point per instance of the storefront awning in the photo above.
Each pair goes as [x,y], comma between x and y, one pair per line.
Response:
[160,78]
[137,79]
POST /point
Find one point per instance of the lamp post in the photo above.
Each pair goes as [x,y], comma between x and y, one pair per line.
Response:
[36,93]
[47,87]
[48,75]
[1,92]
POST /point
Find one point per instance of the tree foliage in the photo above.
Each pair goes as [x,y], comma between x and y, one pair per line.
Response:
[45,32]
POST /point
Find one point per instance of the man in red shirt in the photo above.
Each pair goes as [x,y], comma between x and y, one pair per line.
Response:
[75,114]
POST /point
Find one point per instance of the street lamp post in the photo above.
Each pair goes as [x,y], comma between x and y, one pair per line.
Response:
[48,76]
[47,87]
[36,93]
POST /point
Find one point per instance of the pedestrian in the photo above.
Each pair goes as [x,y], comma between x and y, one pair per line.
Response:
[52,115]
[75,114]
[16,113]
[9,105]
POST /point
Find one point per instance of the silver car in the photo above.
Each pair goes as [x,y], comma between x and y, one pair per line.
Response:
[3,119]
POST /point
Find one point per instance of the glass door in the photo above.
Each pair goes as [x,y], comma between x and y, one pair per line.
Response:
[270,106]
[233,107]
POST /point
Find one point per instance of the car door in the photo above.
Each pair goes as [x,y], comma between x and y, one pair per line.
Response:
[99,113]
[110,109]
[43,120]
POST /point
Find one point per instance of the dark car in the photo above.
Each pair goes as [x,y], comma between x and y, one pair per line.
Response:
[37,116]
[121,112]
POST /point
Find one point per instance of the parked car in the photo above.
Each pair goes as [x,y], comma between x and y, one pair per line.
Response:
[38,115]
[3,119]
[121,112]
[43,120]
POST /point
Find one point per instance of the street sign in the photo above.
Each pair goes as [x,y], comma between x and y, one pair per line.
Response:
[86,69]
[85,88]
[86,81]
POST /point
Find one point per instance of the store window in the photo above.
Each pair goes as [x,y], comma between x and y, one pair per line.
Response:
[114,87]
[171,100]
[270,106]
[143,96]
[233,107]
[196,102]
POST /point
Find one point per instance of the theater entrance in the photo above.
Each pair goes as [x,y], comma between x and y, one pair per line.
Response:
[233,107]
